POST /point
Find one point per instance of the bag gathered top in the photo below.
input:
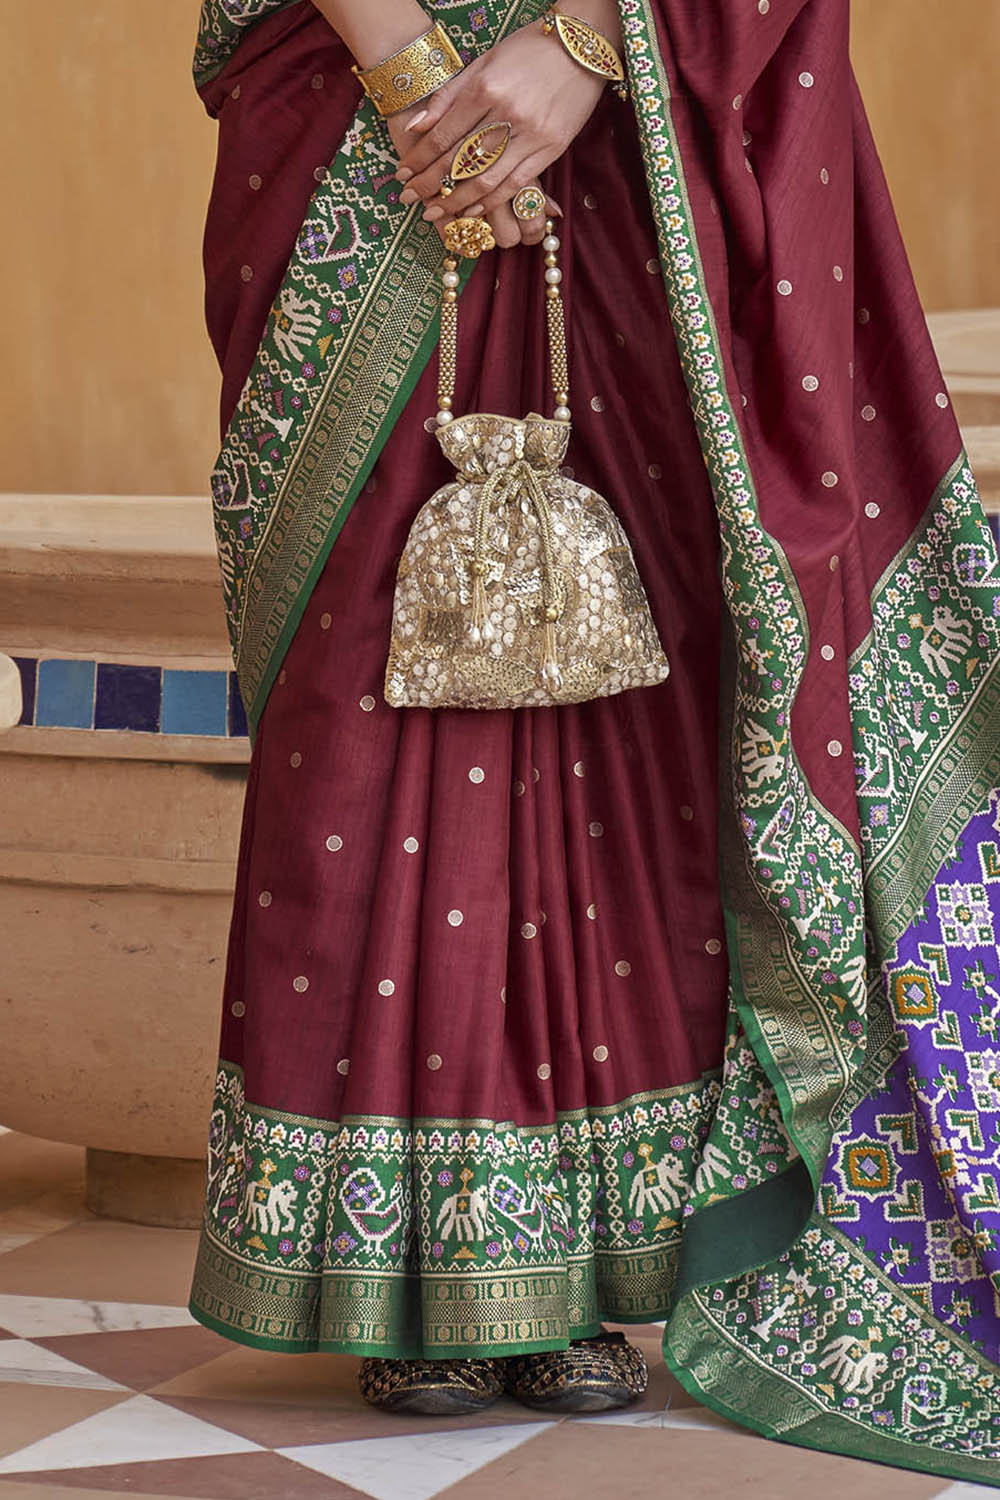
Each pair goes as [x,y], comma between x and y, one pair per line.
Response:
[517,586]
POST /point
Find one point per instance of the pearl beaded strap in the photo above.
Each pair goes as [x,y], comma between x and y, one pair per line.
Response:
[555,322]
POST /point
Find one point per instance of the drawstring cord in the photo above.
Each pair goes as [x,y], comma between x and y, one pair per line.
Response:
[507,484]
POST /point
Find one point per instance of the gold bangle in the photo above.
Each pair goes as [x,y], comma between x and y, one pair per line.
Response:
[412,73]
[588,47]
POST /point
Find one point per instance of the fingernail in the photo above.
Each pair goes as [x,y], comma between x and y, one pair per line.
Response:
[474,211]
[416,120]
[433,213]
[404,174]
[555,209]
[408,196]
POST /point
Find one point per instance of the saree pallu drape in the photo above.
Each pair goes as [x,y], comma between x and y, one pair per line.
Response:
[486,1074]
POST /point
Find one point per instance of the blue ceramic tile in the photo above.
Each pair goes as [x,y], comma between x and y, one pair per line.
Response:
[237,713]
[65,693]
[127,697]
[28,668]
[193,702]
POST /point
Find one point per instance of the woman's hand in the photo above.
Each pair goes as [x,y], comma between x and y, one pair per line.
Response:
[507,228]
[527,79]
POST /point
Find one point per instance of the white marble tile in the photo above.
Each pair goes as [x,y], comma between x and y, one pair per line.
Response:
[48,1317]
[30,1364]
[142,1430]
[416,1466]
[964,1491]
[693,1419]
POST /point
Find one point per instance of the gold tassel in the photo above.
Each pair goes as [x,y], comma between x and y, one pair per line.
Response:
[550,658]
[480,629]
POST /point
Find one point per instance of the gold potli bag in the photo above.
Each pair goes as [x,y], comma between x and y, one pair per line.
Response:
[517,587]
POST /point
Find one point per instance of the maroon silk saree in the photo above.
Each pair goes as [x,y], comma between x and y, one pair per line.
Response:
[679,1005]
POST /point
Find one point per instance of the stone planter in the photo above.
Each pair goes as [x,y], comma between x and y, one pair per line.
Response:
[121,791]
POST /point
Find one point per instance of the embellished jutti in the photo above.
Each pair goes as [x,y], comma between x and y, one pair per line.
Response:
[681,1004]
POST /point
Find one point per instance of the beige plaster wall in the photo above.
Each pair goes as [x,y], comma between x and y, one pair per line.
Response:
[108,380]
[108,383]
[929,72]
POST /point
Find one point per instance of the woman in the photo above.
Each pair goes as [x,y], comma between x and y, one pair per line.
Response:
[629,1009]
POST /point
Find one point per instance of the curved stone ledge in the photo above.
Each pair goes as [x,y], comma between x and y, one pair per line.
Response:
[968,348]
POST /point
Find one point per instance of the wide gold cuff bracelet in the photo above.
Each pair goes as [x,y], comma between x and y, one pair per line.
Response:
[411,73]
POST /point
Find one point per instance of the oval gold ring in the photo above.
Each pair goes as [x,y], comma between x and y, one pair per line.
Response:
[528,203]
[474,156]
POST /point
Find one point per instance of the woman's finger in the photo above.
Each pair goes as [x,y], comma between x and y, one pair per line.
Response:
[441,133]
[468,190]
[506,226]
[533,230]
[524,174]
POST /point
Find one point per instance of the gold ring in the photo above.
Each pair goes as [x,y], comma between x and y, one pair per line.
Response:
[474,157]
[468,237]
[528,203]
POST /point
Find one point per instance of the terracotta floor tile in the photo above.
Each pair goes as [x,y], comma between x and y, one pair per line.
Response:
[100,1259]
[607,1462]
[29,1412]
[283,1425]
[140,1358]
[28,1221]
[31,1168]
[20,1489]
[242,1374]
[243,1476]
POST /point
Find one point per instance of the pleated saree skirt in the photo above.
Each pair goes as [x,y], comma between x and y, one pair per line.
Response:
[475,998]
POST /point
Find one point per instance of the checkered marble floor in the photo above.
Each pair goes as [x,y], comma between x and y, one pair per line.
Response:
[107,1387]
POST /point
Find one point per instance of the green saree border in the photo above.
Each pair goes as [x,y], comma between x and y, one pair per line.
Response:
[705,1358]
[221,26]
[698,1361]
[417,1237]
[336,457]
[950,787]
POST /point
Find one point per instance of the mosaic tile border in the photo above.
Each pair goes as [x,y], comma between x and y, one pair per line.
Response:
[81,693]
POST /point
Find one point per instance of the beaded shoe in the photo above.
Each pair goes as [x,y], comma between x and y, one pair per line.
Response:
[596,1374]
[435,1387]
